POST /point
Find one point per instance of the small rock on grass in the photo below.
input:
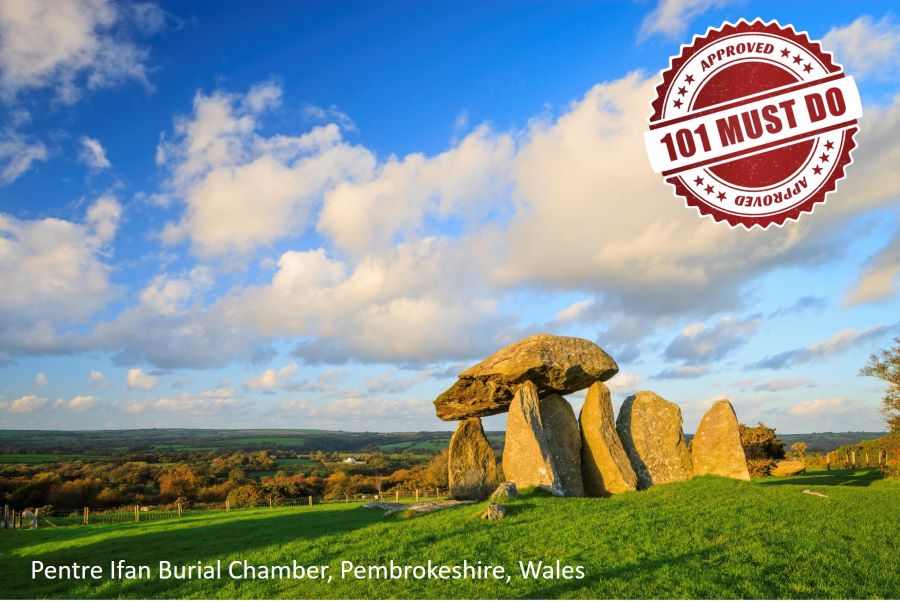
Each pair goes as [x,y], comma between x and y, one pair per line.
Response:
[494,512]
[505,491]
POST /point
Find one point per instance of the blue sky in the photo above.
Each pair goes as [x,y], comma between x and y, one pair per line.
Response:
[312,215]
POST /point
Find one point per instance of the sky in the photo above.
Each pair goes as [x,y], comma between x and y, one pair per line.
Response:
[314,215]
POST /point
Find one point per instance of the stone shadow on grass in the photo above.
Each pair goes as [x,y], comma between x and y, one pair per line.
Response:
[849,477]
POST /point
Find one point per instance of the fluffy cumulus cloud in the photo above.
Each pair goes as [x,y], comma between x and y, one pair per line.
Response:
[27,404]
[242,190]
[466,181]
[138,379]
[66,46]
[842,341]
[79,403]
[866,47]
[272,379]
[61,277]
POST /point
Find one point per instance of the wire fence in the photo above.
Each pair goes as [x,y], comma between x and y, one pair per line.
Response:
[49,516]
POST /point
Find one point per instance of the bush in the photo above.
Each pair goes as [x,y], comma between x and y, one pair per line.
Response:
[760,467]
[760,443]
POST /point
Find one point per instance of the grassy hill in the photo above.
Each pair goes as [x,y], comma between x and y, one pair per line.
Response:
[707,538]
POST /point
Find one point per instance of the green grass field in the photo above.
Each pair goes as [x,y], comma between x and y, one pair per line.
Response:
[707,538]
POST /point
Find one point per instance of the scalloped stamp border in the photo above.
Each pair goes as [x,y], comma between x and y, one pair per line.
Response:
[753,124]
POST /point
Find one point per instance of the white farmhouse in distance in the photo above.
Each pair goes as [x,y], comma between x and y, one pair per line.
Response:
[352,460]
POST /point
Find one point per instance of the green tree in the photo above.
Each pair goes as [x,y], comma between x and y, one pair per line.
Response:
[798,449]
[886,366]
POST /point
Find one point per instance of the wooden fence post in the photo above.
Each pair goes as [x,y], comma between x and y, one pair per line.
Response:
[5,516]
[310,500]
[417,495]
[270,502]
[87,515]
[397,495]
[137,514]
[228,505]
[179,510]
[37,518]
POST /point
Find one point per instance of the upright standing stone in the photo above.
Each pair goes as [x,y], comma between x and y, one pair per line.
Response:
[716,447]
[564,442]
[605,467]
[542,443]
[651,432]
[472,467]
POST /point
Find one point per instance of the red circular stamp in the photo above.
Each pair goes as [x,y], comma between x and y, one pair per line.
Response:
[753,124]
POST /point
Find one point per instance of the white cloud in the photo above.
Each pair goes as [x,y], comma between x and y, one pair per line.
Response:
[66,46]
[206,403]
[166,295]
[842,341]
[331,114]
[671,17]
[93,154]
[138,379]
[60,277]
[878,280]
[40,379]
[782,384]
[103,216]
[82,402]
[574,311]
[624,383]
[242,190]
[406,306]
[98,379]
[467,181]
[684,371]
[27,404]
[699,343]
[272,379]
[866,47]
[17,154]
[821,405]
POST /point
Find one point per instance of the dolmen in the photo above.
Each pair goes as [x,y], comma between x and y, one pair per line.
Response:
[595,454]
